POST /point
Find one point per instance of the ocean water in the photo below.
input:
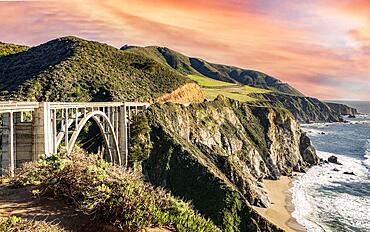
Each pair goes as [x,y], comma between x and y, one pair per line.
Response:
[326,199]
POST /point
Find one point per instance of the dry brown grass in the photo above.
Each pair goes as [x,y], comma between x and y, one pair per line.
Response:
[16,224]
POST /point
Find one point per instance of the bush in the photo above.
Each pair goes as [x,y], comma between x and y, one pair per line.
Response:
[139,139]
[109,193]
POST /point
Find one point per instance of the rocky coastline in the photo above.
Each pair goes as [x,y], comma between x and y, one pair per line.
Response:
[225,149]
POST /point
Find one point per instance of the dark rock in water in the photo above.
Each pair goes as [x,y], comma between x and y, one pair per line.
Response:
[349,173]
[351,116]
[323,133]
[333,159]
[336,169]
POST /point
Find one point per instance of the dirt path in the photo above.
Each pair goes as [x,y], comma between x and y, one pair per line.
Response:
[21,203]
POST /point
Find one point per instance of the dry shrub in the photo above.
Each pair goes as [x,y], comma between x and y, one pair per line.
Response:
[109,193]
[16,224]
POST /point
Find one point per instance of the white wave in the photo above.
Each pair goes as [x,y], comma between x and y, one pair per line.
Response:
[302,207]
[314,132]
[366,162]
[311,201]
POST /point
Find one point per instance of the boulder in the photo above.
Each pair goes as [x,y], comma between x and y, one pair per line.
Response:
[349,173]
[333,159]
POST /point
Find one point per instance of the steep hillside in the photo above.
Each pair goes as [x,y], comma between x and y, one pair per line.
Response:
[9,49]
[215,153]
[72,69]
[189,65]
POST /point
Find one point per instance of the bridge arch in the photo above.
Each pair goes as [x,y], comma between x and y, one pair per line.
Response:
[53,122]
[110,137]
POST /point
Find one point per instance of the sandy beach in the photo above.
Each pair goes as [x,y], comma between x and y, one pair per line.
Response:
[279,212]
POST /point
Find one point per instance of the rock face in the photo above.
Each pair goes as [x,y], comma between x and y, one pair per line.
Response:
[215,154]
[304,109]
[342,109]
[308,152]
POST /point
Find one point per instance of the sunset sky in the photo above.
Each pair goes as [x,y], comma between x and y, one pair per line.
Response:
[321,47]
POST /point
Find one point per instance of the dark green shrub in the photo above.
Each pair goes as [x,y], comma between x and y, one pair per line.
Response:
[139,141]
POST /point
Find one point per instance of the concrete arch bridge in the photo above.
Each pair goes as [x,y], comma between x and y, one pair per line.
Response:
[55,123]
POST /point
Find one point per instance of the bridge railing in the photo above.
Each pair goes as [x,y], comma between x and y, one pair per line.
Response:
[6,107]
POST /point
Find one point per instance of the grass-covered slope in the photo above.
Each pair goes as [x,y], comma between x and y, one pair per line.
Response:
[212,88]
[110,194]
[196,66]
[9,49]
[73,69]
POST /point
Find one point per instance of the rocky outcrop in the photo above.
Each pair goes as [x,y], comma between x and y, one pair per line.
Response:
[216,153]
[308,152]
[185,94]
[342,109]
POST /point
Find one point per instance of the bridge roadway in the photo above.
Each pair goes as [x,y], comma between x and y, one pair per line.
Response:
[33,129]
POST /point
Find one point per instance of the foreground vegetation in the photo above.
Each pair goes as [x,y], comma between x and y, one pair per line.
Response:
[16,224]
[109,193]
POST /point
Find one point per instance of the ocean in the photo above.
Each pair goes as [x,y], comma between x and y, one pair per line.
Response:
[325,198]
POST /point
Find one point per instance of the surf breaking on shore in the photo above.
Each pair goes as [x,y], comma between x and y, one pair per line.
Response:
[332,197]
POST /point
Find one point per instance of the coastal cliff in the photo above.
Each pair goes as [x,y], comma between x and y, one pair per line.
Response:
[223,149]
[342,109]
[304,109]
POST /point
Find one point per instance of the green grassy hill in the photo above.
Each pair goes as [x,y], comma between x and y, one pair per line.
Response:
[188,65]
[73,69]
[212,88]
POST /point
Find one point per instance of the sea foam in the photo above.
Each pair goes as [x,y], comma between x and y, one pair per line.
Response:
[329,200]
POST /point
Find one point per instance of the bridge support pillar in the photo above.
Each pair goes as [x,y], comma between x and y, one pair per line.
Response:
[8,154]
[122,136]
[43,131]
